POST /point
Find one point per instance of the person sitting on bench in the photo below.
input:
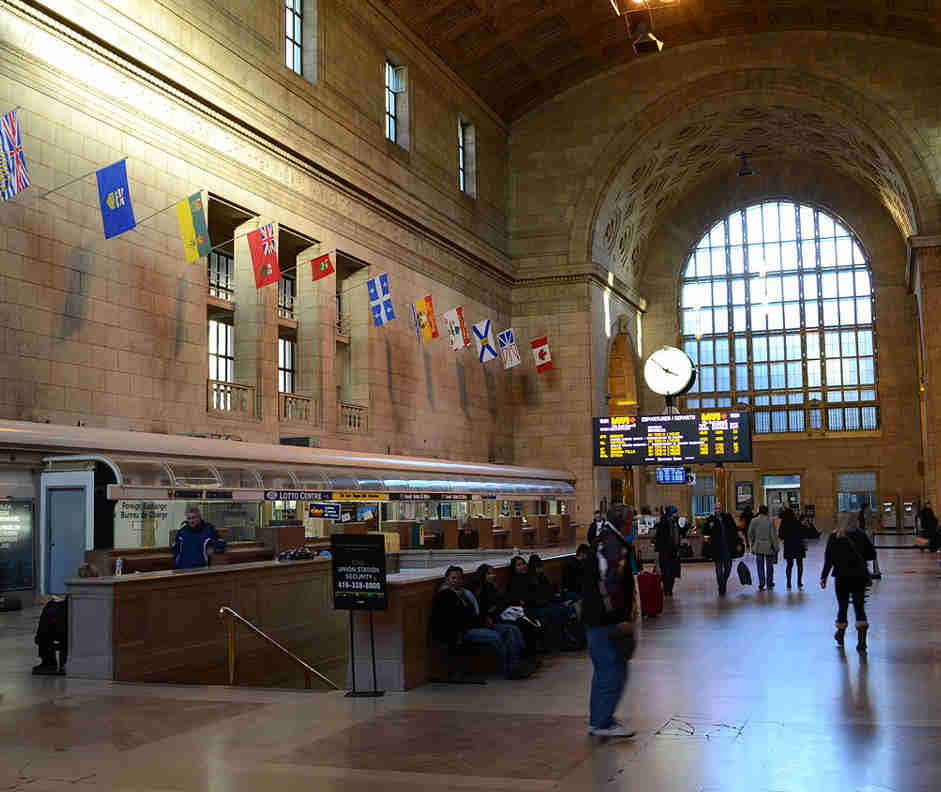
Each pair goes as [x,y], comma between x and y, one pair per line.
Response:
[455,622]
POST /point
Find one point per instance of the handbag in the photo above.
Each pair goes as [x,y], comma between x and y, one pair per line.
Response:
[744,573]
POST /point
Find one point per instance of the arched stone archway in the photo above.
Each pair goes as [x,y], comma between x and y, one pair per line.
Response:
[661,154]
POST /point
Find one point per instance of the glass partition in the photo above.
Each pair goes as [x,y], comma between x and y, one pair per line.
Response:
[143,472]
[193,475]
[139,524]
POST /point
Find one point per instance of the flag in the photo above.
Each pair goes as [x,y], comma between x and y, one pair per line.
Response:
[541,354]
[457,330]
[380,302]
[192,219]
[114,196]
[14,175]
[423,312]
[483,335]
[320,267]
[509,352]
[264,249]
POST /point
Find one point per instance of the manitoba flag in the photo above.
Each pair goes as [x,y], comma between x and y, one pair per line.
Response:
[541,354]
[264,249]
[320,267]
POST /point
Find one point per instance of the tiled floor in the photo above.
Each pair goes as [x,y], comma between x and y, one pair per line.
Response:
[744,694]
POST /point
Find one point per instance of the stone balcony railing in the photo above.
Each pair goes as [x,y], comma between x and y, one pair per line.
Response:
[298,409]
[230,399]
[353,418]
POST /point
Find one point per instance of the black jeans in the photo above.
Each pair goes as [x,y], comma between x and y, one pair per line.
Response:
[669,567]
[854,588]
[723,570]
[800,570]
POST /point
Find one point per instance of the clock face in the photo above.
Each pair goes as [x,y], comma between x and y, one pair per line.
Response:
[669,371]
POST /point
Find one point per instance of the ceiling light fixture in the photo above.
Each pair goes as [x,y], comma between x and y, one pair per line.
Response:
[745,170]
[639,24]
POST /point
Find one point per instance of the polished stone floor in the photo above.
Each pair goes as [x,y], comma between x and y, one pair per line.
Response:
[746,694]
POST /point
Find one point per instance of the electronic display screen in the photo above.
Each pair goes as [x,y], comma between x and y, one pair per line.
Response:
[671,475]
[706,436]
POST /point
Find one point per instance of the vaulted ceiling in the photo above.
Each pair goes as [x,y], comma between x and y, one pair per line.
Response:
[519,53]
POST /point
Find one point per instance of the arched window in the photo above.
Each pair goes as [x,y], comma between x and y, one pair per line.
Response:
[777,313]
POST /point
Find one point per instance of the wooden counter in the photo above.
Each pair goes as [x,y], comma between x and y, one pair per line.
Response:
[165,626]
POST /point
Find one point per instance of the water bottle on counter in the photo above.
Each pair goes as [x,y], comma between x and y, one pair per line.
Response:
[119,567]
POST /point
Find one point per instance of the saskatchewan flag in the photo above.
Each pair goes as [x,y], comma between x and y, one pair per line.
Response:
[192,219]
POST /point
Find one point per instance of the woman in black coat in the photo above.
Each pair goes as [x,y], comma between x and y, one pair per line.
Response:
[791,533]
[847,552]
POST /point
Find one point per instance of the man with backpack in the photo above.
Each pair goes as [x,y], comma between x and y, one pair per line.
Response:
[609,607]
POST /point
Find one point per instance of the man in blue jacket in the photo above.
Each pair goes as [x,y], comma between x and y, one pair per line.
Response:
[190,546]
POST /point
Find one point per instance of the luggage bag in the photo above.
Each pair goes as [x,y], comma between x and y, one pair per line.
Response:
[650,586]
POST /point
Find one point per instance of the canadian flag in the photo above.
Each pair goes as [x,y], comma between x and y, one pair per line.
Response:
[541,354]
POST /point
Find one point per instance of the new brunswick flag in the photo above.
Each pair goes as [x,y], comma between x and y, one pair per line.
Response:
[423,311]
[192,219]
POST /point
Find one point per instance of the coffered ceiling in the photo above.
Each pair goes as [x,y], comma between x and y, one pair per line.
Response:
[518,53]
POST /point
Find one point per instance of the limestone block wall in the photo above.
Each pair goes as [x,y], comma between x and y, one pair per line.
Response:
[113,332]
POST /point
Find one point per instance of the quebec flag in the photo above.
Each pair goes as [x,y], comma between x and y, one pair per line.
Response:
[379,300]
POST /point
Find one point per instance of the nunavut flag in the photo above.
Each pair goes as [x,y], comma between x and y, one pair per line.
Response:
[423,311]
[192,221]
[541,354]
[264,249]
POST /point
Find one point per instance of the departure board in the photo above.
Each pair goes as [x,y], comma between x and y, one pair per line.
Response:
[689,438]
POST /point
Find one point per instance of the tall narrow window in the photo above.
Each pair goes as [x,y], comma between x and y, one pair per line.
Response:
[285,365]
[777,312]
[221,274]
[286,297]
[392,116]
[221,351]
[462,155]
[293,34]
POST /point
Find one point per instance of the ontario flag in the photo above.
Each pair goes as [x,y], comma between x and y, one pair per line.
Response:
[321,267]
[14,175]
[541,354]
[423,312]
[264,250]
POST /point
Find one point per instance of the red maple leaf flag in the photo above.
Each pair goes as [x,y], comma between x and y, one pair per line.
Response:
[264,249]
[321,266]
[541,354]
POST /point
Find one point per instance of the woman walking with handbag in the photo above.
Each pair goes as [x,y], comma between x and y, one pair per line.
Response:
[847,554]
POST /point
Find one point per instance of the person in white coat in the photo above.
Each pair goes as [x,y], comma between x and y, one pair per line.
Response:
[764,544]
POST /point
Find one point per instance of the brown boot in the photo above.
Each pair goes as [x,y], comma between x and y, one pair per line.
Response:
[840,632]
[861,629]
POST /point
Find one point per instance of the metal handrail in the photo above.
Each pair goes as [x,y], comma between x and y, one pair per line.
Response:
[234,618]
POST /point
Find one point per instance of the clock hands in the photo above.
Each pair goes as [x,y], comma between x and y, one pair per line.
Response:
[671,373]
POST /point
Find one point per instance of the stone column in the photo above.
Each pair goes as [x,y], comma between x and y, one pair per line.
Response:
[256,328]
[316,313]
[926,272]
[356,310]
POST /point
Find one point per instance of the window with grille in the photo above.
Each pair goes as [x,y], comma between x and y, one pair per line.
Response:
[777,313]
[391,102]
[221,274]
[221,351]
[293,34]
[286,297]
[286,365]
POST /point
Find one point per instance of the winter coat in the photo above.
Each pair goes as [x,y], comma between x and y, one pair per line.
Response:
[189,547]
[607,590]
[847,555]
[791,534]
[761,536]
[723,537]
[667,539]
[452,615]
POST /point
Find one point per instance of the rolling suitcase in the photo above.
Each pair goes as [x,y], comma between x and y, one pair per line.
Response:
[650,586]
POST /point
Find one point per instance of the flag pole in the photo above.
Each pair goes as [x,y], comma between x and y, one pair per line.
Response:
[79,178]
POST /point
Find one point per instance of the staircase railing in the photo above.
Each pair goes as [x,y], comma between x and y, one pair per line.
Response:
[232,621]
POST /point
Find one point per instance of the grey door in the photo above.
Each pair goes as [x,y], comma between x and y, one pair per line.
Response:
[65,526]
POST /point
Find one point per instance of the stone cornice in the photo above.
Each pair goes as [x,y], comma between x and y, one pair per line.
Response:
[618,288]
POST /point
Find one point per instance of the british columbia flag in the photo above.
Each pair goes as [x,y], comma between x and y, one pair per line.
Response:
[267,238]
[14,175]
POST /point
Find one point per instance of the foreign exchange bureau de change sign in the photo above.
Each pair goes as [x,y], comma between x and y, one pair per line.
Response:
[359,572]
